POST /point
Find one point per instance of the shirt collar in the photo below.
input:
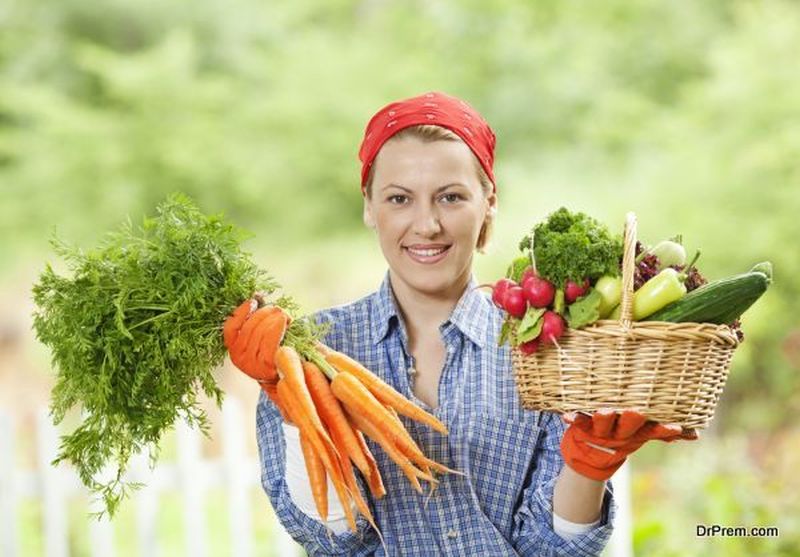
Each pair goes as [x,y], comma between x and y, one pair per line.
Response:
[384,310]
[470,316]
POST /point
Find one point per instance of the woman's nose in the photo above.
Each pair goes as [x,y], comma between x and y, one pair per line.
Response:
[427,222]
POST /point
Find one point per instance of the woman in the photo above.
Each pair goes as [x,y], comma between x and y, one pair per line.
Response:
[429,193]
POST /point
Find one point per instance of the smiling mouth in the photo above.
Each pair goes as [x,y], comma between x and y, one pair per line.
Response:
[427,255]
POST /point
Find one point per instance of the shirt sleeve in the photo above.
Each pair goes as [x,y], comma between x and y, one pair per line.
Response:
[312,534]
[571,530]
[299,485]
[534,533]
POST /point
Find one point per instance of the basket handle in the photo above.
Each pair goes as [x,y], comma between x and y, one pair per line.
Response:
[628,263]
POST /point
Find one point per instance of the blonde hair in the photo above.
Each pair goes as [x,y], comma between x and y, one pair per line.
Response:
[428,134]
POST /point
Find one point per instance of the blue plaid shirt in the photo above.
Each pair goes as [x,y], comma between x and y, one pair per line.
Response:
[511,457]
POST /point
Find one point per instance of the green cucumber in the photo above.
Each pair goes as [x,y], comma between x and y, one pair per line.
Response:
[763,267]
[721,302]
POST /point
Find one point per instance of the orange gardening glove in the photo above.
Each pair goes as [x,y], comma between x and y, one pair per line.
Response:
[252,336]
[597,446]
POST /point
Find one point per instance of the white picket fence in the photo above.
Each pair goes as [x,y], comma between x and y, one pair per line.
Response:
[236,472]
[192,476]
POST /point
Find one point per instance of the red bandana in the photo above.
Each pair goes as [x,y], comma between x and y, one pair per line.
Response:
[431,108]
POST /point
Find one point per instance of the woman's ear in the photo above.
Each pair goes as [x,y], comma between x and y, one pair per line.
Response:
[491,200]
[367,215]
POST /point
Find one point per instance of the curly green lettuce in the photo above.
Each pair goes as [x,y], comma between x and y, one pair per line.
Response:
[573,246]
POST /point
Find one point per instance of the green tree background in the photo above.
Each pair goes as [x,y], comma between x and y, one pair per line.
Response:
[687,113]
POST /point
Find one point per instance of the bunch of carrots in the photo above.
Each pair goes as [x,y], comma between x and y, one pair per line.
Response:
[334,401]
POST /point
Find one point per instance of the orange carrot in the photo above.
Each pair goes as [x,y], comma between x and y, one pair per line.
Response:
[380,389]
[424,462]
[396,419]
[290,403]
[327,455]
[417,456]
[274,329]
[332,415]
[272,392]
[263,341]
[343,493]
[323,349]
[410,471]
[290,369]
[373,431]
[374,479]
[358,499]
[341,432]
[317,476]
[355,492]
[357,397]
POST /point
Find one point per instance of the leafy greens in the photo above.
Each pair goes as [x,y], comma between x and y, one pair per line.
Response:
[573,246]
[136,333]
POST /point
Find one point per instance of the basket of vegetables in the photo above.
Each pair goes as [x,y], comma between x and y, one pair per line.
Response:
[595,321]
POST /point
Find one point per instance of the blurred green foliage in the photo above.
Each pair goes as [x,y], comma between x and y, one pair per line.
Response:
[732,481]
[687,113]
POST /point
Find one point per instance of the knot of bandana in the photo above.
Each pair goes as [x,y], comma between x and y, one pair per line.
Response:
[433,108]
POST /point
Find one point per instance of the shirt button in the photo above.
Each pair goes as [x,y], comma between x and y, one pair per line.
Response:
[452,533]
[412,371]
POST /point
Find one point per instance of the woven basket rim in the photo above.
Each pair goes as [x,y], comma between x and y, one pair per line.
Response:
[722,334]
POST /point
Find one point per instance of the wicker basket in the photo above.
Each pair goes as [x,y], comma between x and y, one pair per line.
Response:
[671,372]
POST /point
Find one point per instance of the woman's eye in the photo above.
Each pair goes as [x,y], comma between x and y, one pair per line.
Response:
[451,197]
[397,199]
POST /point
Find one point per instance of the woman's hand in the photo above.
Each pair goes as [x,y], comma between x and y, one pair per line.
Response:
[252,336]
[596,446]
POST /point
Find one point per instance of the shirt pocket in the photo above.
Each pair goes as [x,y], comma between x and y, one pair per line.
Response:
[500,453]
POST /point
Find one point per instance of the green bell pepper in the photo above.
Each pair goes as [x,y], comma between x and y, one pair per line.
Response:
[610,289]
[663,289]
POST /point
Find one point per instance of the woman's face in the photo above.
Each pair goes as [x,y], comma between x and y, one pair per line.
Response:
[427,207]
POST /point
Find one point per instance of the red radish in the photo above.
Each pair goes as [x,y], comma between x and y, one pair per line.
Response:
[572,291]
[526,274]
[499,290]
[514,302]
[538,291]
[552,327]
[529,347]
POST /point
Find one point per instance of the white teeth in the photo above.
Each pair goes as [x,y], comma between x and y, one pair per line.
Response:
[427,252]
